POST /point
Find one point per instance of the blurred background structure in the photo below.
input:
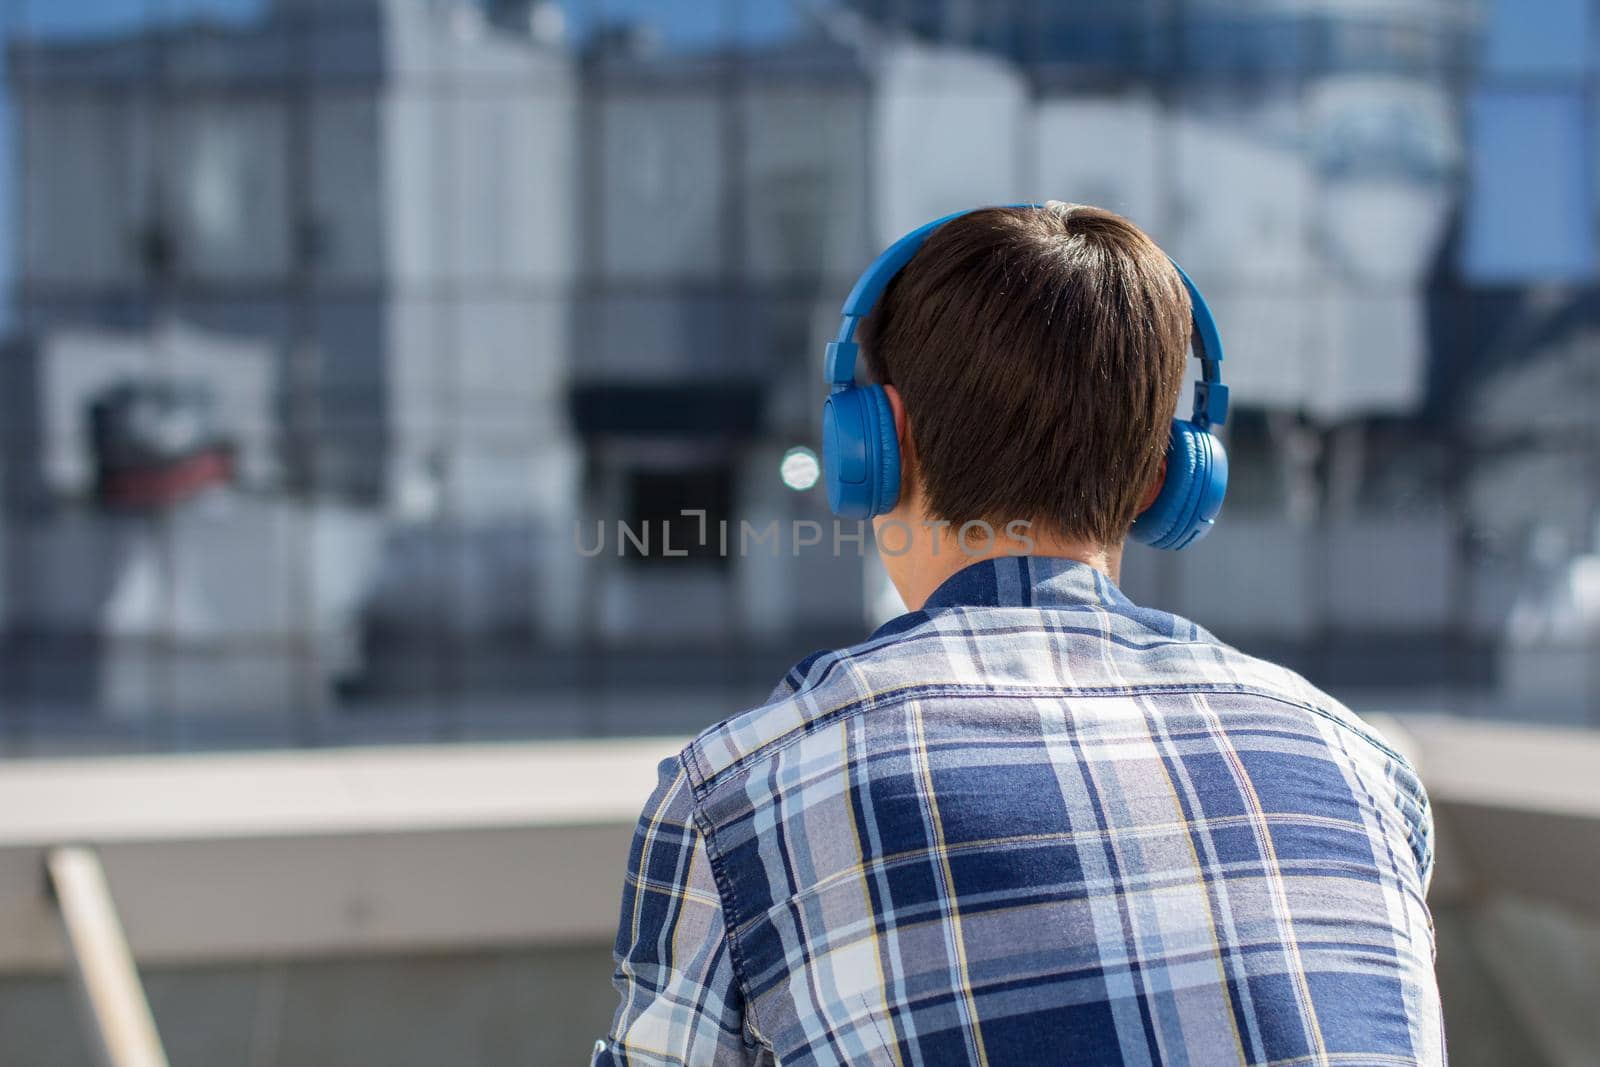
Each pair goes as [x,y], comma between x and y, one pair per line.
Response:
[334,329]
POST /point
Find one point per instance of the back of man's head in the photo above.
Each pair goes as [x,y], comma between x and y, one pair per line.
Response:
[1039,354]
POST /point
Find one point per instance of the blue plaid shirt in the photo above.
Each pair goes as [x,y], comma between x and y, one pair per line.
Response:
[1031,823]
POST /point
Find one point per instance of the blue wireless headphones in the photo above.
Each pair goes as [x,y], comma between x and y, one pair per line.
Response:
[861,456]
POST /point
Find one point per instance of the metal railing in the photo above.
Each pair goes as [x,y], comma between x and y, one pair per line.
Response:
[116,1013]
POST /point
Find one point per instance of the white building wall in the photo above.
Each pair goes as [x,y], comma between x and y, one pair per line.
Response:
[947,134]
[1104,150]
[1286,580]
[480,215]
[1312,261]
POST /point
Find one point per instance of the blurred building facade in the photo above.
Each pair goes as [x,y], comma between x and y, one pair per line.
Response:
[468,288]
[287,186]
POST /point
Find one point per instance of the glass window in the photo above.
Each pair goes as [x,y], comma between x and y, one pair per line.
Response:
[458,270]
[1531,213]
[662,184]
[1544,39]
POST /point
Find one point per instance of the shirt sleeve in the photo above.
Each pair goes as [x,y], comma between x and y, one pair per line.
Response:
[680,1000]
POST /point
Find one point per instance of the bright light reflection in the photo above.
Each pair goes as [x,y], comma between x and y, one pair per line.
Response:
[800,468]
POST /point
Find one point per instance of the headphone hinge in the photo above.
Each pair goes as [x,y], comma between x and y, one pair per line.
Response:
[1210,403]
[840,365]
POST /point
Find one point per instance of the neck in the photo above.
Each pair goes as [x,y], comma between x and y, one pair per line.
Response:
[917,574]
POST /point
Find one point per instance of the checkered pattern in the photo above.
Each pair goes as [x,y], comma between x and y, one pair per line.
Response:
[1031,823]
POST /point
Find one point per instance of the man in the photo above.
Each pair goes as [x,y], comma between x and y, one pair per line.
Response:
[1029,822]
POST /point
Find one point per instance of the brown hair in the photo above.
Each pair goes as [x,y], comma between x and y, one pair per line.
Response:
[1039,353]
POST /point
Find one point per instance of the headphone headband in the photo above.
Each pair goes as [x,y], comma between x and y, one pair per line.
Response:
[839,368]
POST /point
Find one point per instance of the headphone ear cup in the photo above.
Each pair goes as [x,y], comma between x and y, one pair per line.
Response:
[1191,494]
[887,464]
[844,461]
[860,454]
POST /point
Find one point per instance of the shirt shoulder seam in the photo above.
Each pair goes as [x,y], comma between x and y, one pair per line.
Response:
[704,781]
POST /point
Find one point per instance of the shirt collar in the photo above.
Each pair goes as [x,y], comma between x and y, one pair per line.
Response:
[1027,581]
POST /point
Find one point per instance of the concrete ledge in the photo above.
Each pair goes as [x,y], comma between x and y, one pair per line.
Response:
[327,791]
[331,852]
[1505,765]
[1517,809]
[349,851]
